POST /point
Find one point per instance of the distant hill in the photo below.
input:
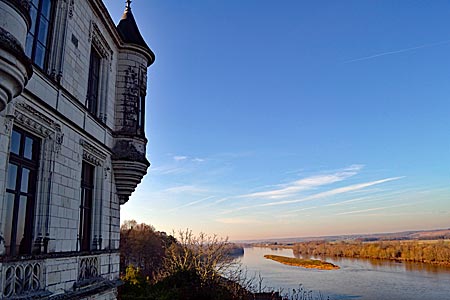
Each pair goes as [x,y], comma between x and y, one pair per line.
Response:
[404,235]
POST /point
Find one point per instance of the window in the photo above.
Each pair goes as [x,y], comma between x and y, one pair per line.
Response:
[87,191]
[21,192]
[37,43]
[140,113]
[93,83]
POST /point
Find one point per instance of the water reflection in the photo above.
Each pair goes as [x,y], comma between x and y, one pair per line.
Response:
[364,279]
[381,263]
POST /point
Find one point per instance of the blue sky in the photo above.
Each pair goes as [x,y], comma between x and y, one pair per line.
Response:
[295,118]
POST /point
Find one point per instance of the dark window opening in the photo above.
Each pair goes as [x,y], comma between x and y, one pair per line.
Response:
[37,43]
[140,113]
[87,191]
[93,82]
[21,192]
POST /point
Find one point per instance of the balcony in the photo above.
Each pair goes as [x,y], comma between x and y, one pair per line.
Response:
[129,165]
[23,279]
[59,275]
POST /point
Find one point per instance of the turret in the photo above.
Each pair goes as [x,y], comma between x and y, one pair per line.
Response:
[129,161]
[15,67]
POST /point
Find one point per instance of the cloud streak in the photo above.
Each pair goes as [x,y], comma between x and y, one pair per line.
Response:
[372,209]
[333,192]
[238,221]
[179,157]
[306,184]
[330,193]
[396,51]
[192,203]
[184,189]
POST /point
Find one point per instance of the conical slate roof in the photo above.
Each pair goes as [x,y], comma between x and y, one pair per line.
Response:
[129,31]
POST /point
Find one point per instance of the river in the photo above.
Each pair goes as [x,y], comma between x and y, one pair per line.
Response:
[359,279]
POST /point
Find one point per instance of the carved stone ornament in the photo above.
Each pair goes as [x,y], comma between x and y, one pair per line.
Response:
[99,42]
[125,150]
[22,279]
[143,79]
[38,123]
[92,154]
[88,268]
[7,123]
[71,8]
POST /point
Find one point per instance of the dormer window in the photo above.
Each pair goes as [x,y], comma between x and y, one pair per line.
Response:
[37,43]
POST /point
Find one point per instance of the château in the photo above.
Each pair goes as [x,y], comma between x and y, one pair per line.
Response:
[72,145]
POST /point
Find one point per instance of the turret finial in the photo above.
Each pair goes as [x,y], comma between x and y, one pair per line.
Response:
[128,2]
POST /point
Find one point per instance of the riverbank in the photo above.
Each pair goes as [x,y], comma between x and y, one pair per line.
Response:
[356,279]
[436,252]
[304,263]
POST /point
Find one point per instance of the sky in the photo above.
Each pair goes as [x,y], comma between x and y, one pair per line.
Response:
[271,119]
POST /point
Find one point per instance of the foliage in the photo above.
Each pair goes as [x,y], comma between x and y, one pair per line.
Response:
[162,267]
[143,247]
[303,294]
[205,255]
[190,267]
[429,252]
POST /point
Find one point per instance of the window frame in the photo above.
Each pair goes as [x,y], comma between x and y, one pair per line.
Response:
[140,113]
[86,205]
[32,164]
[35,34]
[93,92]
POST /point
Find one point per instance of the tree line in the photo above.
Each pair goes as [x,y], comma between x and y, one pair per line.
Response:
[184,266]
[417,251]
[155,265]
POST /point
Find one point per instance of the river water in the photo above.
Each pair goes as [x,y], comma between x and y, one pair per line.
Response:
[359,279]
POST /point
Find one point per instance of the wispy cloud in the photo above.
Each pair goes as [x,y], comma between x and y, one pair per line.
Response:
[199,160]
[304,209]
[397,51]
[184,189]
[330,193]
[306,184]
[334,192]
[179,157]
[168,170]
[242,221]
[372,209]
[192,203]
[360,199]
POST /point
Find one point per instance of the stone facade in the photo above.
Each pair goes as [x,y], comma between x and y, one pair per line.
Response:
[72,145]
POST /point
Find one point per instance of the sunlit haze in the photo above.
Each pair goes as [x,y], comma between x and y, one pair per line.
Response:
[270,119]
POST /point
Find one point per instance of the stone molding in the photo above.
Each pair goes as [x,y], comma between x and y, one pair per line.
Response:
[38,123]
[92,154]
[99,42]
[71,8]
